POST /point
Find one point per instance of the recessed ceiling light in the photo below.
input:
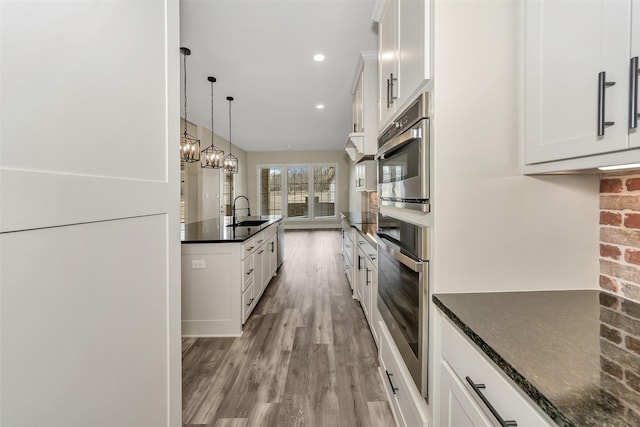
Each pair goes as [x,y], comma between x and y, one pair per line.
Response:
[320,106]
[319,57]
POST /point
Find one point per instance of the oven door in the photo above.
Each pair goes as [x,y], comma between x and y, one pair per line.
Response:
[403,169]
[402,302]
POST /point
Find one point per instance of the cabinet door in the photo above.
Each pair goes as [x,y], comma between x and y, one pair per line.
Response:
[567,45]
[259,270]
[634,134]
[387,60]
[360,274]
[413,53]
[457,407]
[272,248]
[366,293]
[358,102]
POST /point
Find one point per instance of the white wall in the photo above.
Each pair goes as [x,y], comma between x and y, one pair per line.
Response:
[89,214]
[301,157]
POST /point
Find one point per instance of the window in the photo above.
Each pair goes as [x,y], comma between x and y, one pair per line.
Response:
[324,191]
[270,190]
[298,191]
[288,190]
[227,193]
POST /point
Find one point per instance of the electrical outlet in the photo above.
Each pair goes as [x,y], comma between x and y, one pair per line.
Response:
[198,263]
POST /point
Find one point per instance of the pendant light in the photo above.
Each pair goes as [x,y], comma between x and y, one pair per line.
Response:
[230,161]
[189,145]
[212,157]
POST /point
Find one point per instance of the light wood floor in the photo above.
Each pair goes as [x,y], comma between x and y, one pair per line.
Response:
[306,357]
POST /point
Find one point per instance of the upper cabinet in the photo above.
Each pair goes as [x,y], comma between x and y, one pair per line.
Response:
[403,53]
[580,88]
[362,142]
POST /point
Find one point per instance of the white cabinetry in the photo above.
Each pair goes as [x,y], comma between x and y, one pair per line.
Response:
[407,405]
[348,252]
[578,82]
[461,405]
[223,282]
[367,279]
[366,176]
[404,37]
[363,140]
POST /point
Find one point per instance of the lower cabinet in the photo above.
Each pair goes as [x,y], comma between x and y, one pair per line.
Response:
[223,282]
[408,406]
[457,407]
[347,253]
[492,394]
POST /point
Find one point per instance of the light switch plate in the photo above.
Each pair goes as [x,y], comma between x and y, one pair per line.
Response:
[198,263]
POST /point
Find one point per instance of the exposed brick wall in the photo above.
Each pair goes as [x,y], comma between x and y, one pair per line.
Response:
[373,203]
[620,234]
[620,354]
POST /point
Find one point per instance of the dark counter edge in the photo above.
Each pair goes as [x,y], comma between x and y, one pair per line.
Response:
[358,227]
[261,228]
[531,391]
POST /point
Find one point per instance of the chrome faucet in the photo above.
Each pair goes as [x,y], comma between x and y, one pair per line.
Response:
[248,208]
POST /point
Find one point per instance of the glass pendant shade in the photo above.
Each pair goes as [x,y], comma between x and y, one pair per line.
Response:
[230,161]
[189,145]
[212,157]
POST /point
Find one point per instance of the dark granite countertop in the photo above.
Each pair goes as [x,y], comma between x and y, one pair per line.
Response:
[365,222]
[218,230]
[575,353]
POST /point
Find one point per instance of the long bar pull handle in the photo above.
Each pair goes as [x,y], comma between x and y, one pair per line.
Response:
[391,96]
[501,421]
[633,93]
[388,93]
[602,85]
[393,388]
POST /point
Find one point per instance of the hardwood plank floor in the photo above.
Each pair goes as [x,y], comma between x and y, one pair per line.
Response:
[306,356]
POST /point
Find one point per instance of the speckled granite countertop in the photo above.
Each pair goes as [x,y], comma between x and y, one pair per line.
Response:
[365,223]
[575,353]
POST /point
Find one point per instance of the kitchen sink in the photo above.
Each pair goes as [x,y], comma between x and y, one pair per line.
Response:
[248,223]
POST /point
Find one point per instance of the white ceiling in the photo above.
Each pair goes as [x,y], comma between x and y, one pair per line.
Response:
[261,52]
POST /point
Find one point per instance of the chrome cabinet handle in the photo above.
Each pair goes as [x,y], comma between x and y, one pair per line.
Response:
[359,263]
[633,93]
[250,248]
[393,388]
[367,281]
[501,421]
[261,252]
[250,301]
[602,85]
[249,272]
[272,247]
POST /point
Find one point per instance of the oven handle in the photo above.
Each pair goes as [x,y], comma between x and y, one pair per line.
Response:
[407,261]
[397,142]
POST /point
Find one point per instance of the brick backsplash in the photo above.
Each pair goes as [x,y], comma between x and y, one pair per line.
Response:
[620,234]
[373,203]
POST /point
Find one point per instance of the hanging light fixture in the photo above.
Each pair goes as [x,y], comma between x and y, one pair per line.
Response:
[212,157]
[230,161]
[189,145]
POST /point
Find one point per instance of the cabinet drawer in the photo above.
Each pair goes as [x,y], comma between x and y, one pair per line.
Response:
[247,303]
[369,251]
[251,245]
[248,272]
[466,361]
[399,384]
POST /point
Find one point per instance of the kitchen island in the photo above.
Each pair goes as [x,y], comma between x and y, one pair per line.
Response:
[226,266]
[574,354]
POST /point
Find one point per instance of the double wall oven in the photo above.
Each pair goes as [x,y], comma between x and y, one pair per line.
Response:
[403,159]
[403,258]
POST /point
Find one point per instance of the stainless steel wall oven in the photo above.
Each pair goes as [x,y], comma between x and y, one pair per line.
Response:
[403,274]
[403,159]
